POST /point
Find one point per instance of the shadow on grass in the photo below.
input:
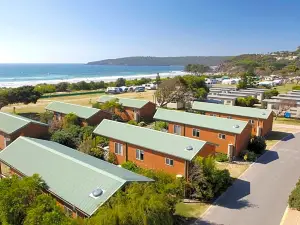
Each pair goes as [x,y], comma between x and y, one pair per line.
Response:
[32,116]
[278,135]
[179,220]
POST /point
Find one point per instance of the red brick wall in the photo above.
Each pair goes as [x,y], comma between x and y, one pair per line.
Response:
[120,158]
[257,122]
[148,111]
[209,136]
[242,140]
[156,160]
[127,114]
[207,150]
[32,130]
[267,125]
[98,117]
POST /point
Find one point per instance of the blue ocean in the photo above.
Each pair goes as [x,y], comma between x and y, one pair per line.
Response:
[15,75]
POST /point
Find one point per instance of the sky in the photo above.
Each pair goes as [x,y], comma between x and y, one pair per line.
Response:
[79,31]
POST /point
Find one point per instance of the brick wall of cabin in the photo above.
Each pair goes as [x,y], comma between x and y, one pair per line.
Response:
[242,140]
[267,125]
[208,135]
[127,114]
[257,122]
[207,150]
[148,111]
[120,158]
[31,130]
[156,160]
[98,117]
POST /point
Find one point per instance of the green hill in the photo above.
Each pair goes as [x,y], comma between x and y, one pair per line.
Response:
[163,61]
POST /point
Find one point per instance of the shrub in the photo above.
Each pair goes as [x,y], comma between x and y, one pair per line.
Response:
[257,144]
[112,158]
[221,157]
[70,119]
[64,138]
[160,125]
[270,93]
[132,122]
[294,198]
[131,166]
[246,102]
[46,117]
[248,156]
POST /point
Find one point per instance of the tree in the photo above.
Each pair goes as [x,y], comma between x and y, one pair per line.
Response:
[157,79]
[45,88]
[196,69]
[205,180]
[45,211]
[120,82]
[112,105]
[171,90]
[25,94]
[248,101]
[64,138]
[284,106]
[46,117]
[17,195]
[247,80]
[3,98]
[62,87]
[90,145]
[70,119]
[150,207]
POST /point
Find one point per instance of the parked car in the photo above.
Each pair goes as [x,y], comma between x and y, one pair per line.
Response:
[124,89]
[140,89]
[113,90]
[150,86]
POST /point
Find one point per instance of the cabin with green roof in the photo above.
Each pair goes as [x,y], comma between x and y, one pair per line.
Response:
[132,109]
[79,182]
[12,126]
[152,149]
[261,120]
[230,136]
[87,115]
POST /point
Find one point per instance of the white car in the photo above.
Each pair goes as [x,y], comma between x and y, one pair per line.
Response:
[113,90]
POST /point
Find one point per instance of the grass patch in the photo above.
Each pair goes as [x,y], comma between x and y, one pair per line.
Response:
[235,169]
[288,121]
[285,88]
[191,210]
[274,137]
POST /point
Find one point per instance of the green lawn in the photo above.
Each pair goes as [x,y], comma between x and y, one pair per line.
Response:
[191,210]
[285,88]
[289,121]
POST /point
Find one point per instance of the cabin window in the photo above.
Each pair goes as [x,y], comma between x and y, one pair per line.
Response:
[229,117]
[68,211]
[139,154]
[169,162]
[177,129]
[251,121]
[118,148]
[222,136]
[196,132]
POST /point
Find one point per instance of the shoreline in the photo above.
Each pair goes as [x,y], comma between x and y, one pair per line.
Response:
[15,84]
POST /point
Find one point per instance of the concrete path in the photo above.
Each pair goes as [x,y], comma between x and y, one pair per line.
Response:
[259,196]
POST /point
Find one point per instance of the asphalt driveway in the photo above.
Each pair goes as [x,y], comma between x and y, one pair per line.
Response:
[259,196]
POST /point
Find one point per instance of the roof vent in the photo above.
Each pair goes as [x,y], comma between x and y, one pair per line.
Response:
[236,126]
[264,113]
[96,193]
[189,148]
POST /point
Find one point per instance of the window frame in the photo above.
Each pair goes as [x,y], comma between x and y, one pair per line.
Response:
[251,120]
[220,135]
[229,117]
[139,153]
[197,132]
[168,161]
[179,127]
[116,150]
[67,211]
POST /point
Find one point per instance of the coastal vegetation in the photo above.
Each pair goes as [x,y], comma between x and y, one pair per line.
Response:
[163,61]
[283,63]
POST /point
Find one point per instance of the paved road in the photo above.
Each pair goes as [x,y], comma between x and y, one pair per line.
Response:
[259,196]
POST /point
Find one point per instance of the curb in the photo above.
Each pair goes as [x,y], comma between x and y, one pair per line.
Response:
[284,215]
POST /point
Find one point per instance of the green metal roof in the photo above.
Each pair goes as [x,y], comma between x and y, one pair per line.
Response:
[232,110]
[197,120]
[10,123]
[69,174]
[221,97]
[163,142]
[66,108]
[128,102]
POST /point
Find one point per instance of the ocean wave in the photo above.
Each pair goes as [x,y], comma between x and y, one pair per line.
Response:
[42,80]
